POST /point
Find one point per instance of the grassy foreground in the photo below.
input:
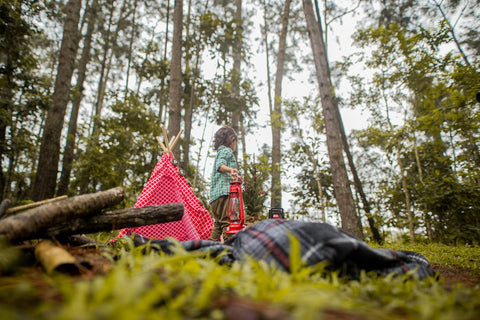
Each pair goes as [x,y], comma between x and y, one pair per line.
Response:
[151,285]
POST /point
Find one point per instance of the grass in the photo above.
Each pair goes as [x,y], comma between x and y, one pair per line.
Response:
[151,285]
[463,256]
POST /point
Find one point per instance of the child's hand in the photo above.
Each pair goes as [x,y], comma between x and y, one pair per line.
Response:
[234,173]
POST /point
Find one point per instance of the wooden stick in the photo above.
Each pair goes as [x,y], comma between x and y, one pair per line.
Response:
[161,144]
[165,137]
[33,205]
[172,145]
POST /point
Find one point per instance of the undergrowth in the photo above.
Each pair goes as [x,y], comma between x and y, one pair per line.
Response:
[463,256]
[146,284]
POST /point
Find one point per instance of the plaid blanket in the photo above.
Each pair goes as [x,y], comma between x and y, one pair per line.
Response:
[270,240]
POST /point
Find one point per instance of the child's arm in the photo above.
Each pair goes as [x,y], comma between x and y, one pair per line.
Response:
[232,171]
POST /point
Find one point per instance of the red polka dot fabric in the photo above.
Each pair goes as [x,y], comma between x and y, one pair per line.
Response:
[165,186]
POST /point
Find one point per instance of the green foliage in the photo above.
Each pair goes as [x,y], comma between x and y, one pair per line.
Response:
[255,175]
[122,153]
[313,191]
[9,258]
[24,94]
[414,80]
[144,284]
[230,102]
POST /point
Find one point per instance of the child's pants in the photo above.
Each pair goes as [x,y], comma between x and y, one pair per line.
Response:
[219,212]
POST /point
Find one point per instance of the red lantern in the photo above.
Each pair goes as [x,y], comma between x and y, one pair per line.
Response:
[235,211]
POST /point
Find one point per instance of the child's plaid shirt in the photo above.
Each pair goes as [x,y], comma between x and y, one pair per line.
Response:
[220,182]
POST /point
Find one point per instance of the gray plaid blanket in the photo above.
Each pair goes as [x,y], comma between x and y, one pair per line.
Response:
[270,240]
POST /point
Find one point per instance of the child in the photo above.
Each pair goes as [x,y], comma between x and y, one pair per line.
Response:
[224,171]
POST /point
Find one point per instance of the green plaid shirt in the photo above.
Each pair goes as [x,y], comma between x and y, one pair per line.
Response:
[221,180]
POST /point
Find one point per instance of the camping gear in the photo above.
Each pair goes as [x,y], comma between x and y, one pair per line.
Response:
[235,212]
[276,213]
[165,186]
[271,241]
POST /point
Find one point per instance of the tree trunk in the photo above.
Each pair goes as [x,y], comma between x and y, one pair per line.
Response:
[346,146]
[319,186]
[191,79]
[237,63]
[426,216]
[6,105]
[130,47]
[28,223]
[114,220]
[46,176]
[356,180]
[107,65]
[243,134]
[343,194]
[276,116]
[68,153]
[408,205]
[175,94]
[267,57]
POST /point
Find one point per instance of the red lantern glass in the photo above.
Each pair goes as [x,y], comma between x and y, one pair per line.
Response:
[235,211]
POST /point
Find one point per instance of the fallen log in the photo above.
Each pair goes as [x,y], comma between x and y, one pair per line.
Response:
[118,219]
[4,207]
[27,224]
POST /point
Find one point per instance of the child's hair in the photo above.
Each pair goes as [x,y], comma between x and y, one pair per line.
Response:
[224,137]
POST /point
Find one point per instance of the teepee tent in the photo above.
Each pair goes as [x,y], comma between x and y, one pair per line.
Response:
[165,186]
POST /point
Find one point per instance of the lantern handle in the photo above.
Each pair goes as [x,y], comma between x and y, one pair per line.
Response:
[238,178]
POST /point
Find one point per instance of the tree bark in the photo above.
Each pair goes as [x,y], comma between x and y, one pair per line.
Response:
[237,63]
[276,116]
[114,220]
[175,95]
[130,58]
[28,223]
[55,258]
[46,176]
[408,202]
[343,194]
[191,79]
[356,180]
[108,54]
[267,56]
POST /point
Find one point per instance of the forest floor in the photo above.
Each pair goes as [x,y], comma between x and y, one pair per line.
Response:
[456,274]
[93,261]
